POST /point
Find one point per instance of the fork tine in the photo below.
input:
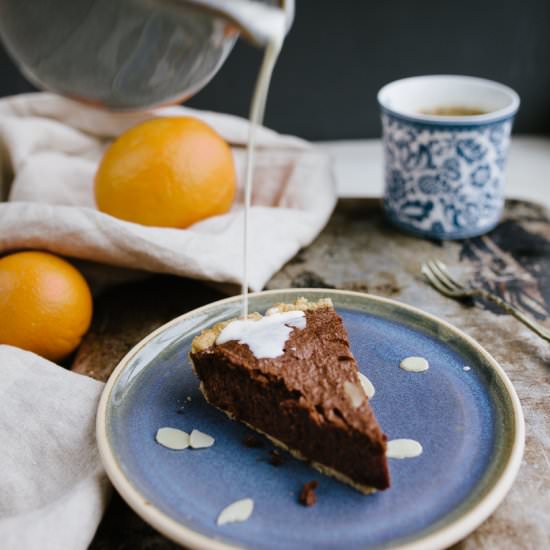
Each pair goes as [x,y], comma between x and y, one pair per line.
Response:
[439,270]
[443,268]
[434,281]
[441,277]
[438,276]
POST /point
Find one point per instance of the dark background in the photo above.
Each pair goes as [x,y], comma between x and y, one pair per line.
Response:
[339,53]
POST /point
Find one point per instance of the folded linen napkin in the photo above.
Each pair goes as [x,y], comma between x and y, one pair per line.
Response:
[49,150]
[52,489]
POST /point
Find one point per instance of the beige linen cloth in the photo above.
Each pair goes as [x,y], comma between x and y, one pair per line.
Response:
[52,488]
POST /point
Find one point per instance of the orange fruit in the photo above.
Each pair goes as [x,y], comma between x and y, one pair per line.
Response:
[45,304]
[168,172]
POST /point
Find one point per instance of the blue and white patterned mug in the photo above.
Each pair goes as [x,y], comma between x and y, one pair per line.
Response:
[444,173]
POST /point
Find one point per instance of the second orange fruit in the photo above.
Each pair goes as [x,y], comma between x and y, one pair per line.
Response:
[167,172]
[45,304]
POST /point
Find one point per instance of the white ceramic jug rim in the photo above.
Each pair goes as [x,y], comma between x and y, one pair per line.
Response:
[395,98]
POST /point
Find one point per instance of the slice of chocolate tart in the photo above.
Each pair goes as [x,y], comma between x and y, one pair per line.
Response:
[291,376]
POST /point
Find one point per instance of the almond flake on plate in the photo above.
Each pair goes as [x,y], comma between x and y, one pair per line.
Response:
[367,385]
[238,511]
[403,448]
[172,438]
[200,440]
[355,394]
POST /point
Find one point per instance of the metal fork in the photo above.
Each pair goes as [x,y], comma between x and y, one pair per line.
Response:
[439,277]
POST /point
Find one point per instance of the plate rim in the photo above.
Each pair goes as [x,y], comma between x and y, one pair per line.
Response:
[444,536]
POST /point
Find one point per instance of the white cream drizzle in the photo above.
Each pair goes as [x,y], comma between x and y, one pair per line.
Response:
[414,364]
[265,337]
[276,27]
[403,448]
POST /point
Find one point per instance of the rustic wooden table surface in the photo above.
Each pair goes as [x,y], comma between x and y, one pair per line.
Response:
[359,251]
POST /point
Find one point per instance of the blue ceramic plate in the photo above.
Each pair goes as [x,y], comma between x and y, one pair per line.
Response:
[468,421]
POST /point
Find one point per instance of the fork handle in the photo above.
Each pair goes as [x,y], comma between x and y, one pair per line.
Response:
[519,315]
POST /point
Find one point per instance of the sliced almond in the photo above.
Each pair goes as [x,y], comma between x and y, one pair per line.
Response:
[238,511]
[172,438]
[200,440]
[403,448]
[414,364]
[367,385]
[355,393]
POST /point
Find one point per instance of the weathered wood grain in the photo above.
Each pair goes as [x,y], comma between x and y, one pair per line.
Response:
[359,251]
[125,314]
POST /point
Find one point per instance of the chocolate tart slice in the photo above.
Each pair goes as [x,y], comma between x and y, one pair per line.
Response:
[307,400]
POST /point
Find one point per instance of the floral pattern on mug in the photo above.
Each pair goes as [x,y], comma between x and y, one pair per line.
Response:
[444,181]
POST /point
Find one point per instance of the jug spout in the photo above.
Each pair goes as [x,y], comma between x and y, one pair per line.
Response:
[259,22]
[133,54]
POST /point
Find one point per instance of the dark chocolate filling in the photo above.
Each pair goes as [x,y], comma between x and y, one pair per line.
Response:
[313,415]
